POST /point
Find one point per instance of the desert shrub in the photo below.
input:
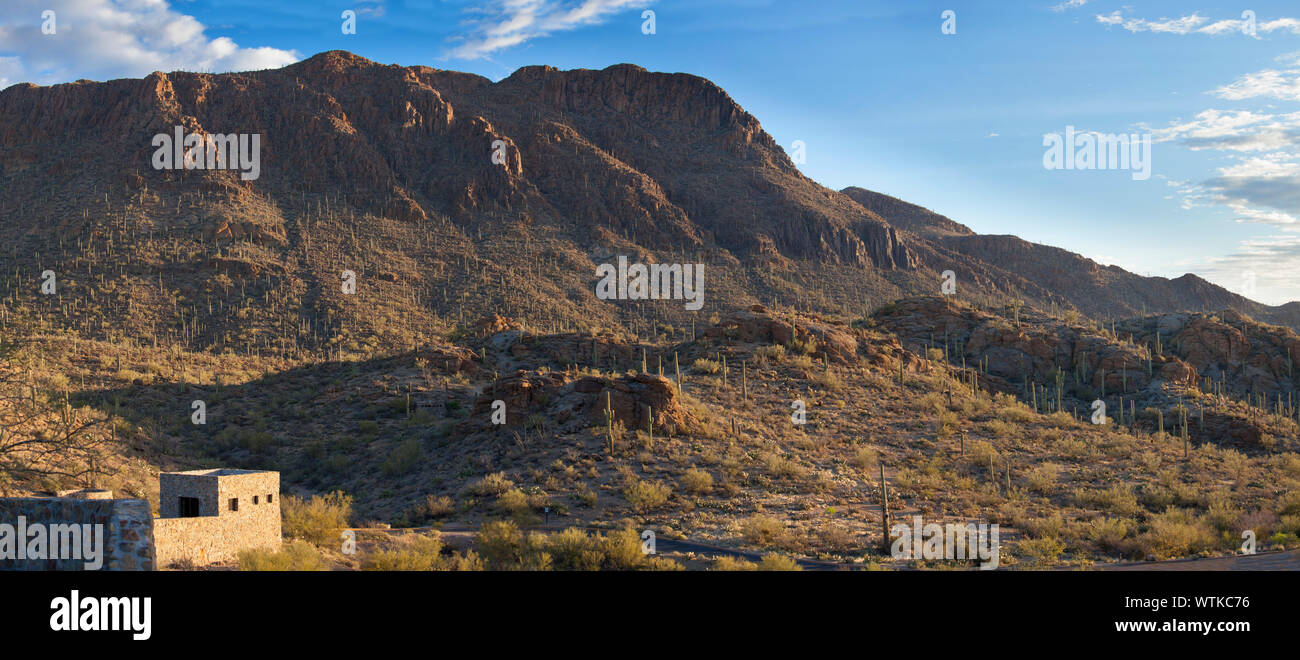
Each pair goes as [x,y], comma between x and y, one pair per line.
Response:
[1048,527]
[982,453]
[762,530]
[1117,499]
[491,485]
[1074,448]
[1109,533]
[865,458]
[646,495]
[697,481]
[575,550]
[1175,533]
[403,458]
[437,506]
[706,366]
[498,542]
[513,501]
[802,345]
[827,380]
[1222,514]
[729,563]
[469,561]
[775,562]
[416,552]
[1043,477]
[1041,551]
[780,467]
[503,547]
[1158,497]
[320,520]
[800,361]
[292,556]
[662,564]
[1000,429]
[774,354]
[1012,411]
[1289,525]
[1290,504]
[623,549]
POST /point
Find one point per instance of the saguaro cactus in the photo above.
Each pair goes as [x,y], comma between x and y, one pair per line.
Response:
[884,509]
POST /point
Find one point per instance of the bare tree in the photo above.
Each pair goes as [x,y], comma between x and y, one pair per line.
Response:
[43,437]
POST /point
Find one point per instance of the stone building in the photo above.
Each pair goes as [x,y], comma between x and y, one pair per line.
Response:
[207,516]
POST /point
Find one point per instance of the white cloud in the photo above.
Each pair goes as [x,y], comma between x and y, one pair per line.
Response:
[1069,4]
[507,23]
[1267,261]
[105,39]
[1184,25]
[1272,83]
[1234,131]
[1197,24]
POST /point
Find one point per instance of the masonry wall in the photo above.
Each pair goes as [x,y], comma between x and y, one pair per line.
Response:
[218,533]
[128,527]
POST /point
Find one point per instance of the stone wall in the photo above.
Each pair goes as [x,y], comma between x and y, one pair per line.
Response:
[127,525]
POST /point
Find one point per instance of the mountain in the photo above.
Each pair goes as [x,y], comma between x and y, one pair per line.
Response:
[1095,290]
[389,172]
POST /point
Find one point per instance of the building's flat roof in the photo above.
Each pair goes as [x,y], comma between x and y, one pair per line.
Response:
[219,472]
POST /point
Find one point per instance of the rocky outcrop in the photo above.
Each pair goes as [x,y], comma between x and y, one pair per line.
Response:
[634,400]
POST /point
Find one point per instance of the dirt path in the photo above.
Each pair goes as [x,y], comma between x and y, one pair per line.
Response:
[1264,561]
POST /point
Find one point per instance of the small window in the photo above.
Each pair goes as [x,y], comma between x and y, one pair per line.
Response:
[270,499]
[234,504]
[254,499]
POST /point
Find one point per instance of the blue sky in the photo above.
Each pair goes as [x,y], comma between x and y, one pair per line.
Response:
[880,96]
